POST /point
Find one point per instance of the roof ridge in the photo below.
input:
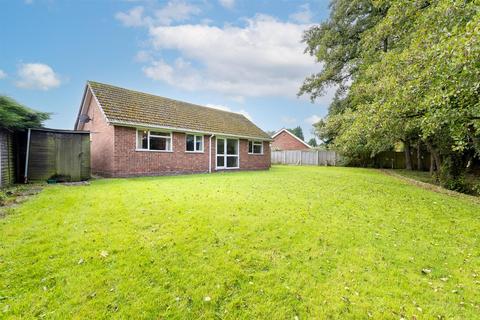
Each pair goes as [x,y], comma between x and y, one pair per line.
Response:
[166,98]
[132,106]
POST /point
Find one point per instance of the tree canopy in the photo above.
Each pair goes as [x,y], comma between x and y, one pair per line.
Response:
[14,116]
[313,142]
[413,75]
[297,131]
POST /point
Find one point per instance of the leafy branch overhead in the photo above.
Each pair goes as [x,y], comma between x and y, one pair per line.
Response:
[14,116]
[406,71]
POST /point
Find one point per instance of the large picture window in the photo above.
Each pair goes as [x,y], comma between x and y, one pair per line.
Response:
[255,147]
[154,140]
[194,143]
[227,153]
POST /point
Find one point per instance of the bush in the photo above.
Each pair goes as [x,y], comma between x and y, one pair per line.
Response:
[452,174]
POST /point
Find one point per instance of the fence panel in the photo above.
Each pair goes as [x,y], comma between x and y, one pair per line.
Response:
[301,157]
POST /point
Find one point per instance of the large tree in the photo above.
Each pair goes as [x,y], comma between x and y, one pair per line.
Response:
[14,116]
[416,80]
[336,45]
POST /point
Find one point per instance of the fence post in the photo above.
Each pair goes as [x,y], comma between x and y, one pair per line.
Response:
[284,157]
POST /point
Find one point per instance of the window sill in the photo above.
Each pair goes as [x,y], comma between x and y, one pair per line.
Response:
[231,168]
[144,150]
[256,154]
[194,152]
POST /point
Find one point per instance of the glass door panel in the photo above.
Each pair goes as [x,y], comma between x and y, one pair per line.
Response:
[227,153]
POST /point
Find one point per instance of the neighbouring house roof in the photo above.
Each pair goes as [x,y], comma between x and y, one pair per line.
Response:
[291,134]
[132,108]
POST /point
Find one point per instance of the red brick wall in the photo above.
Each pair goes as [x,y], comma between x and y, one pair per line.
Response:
[129,162]
[254,161]
[284,141]
[101,140]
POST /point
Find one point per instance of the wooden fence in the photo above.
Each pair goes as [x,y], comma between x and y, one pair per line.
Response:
[60,154]
[7,164]
[310,157]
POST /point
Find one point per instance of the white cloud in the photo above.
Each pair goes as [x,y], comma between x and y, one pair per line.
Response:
[229,4]
[304,15]
[225,108]
[132,18]
[173,11]
[143,56]
[37,76]
[3,74]
[288,120]
[313,119]
[264,57]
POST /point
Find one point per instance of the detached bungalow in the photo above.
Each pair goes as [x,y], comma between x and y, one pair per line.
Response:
[285,140]
[135,134]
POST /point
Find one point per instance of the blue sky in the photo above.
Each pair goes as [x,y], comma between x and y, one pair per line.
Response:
[243,56]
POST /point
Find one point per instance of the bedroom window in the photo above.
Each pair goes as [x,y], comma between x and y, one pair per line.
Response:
[194,143]
[255,147]
[154,140]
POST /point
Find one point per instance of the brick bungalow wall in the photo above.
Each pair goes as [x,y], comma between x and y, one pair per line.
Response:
[130,162]
[101,141]
[254,161]
[284,141]
[114,154]
[7,163]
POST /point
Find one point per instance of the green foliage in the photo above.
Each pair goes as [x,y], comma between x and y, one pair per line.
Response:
[451,175]
[416,78]
[298,132]
[3,197]
[313,142]
[335,44]
[311,242]
[15,116]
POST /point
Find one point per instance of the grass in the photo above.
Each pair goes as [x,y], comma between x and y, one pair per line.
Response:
[306,242]
[422,176]
[471,179]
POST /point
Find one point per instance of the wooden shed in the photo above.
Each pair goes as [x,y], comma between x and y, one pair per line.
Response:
[7,161]
[62,155]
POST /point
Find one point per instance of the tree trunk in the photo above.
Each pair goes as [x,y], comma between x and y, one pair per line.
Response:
[419,156]
[435,161]
[408,158]
[436,157]
[432,165]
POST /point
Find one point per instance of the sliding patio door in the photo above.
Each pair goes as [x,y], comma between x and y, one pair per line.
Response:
[227,153]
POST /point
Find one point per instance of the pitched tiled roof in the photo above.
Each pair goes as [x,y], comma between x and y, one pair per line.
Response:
[123,106]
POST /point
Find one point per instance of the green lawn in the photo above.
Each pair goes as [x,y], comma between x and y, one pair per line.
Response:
[306,242]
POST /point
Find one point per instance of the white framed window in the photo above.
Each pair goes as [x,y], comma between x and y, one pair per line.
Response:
[148,140]
[227,153]
[193,143]
[255,147]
